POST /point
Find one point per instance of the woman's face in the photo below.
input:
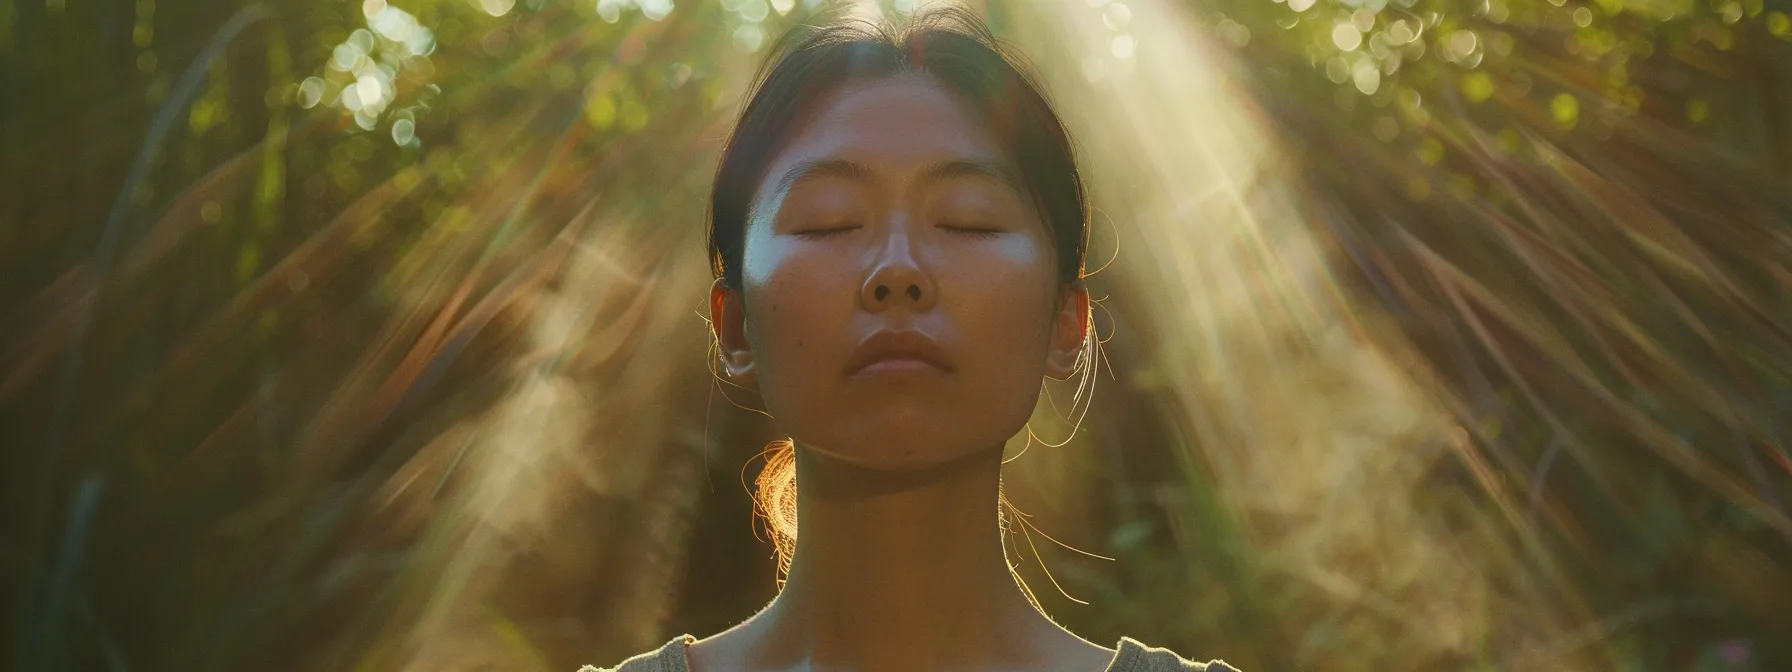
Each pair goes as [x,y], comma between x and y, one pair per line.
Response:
[893,228]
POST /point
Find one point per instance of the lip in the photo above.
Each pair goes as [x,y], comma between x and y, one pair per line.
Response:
[896,352]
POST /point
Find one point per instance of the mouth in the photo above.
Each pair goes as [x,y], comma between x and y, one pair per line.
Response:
[898,353]
[897,367]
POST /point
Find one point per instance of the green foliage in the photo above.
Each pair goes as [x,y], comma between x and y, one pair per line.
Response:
[1576,211]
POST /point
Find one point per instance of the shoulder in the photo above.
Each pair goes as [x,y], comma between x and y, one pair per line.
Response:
[1133,656]
[668,658]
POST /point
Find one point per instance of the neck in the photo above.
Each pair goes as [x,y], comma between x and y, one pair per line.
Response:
[901,571]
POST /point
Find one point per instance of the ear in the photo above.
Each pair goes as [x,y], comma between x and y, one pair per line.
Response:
[1070,327]
[727,321]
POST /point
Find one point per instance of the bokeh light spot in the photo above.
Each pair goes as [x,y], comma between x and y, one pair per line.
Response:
[1779,25]
[600,112]
[1697,110]
[1418,189]
[1095,69]
[1477,87]
[1234,33]
[749,38]
[753,11]
[656,10]
[403,132]
[1346,37]
[1363,19]
[1122,46]
[1400,32]
[1431,151]
[1500,43]
[345,56]
[1116,16]
[310,92]
[1509,140]
[497,7]
[1366,77]
[1566,110]
[1734,652]
[368,88]
[351,98]
[363,40]
[1461,44]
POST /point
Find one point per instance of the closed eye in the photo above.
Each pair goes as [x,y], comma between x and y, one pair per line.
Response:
[977,231]
[824,233]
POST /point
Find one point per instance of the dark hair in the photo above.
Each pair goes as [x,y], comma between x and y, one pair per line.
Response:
[953,48]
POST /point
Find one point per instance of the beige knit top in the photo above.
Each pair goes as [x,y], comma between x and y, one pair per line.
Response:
[1129,656]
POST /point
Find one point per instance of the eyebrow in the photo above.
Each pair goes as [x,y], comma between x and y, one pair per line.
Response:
[823,168]
[935,172]
[946,170]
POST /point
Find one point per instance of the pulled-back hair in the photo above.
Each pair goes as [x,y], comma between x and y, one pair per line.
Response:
[954,49]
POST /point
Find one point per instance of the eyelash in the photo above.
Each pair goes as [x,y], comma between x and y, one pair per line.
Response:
[980,233]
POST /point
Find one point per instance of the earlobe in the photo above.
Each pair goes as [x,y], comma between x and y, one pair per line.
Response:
[727,323]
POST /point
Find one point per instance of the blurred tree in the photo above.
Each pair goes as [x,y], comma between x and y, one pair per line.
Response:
[359,334]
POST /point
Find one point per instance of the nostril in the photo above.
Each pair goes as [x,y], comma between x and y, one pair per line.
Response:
[882,292]
[914,292]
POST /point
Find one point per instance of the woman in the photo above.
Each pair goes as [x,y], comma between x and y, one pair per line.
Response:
[897,228]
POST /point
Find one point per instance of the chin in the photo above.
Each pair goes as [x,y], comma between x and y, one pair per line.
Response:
[907,434]
[896,445]
[900,459]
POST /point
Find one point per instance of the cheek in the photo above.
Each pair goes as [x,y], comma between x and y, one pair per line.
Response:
[1024,255]
[793,304]
[1010,303]
[1024,271]
[1009,326]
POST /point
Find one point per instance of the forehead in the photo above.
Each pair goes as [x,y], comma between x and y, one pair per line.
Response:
[890,125]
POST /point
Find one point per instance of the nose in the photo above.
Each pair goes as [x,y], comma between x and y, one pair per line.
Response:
[896,278]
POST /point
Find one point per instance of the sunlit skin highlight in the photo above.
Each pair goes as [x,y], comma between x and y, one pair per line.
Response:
[894,208]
